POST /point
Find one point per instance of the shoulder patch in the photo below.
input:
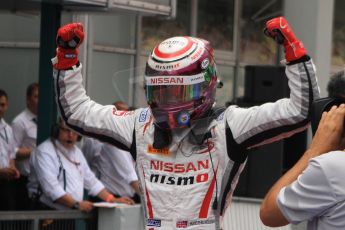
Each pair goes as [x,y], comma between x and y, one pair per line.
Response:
[143,115]
[153,223]
[221,116]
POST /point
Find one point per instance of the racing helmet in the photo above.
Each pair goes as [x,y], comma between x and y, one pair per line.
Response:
[180,81]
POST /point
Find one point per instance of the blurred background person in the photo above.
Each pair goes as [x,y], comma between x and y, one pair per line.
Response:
[113,166]
[24,127]
[336,85]
[60,173]
[8,171]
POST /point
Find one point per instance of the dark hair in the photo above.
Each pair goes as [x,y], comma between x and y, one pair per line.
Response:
[3,93]
[336,85]
[30,89]
[55,129]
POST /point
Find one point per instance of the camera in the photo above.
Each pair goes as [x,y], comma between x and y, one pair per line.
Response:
[319,106]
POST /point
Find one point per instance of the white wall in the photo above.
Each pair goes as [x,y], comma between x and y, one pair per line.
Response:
[244,215]
[312,22]
[18,66]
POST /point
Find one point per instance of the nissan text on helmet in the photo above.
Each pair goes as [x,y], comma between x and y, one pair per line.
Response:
[180,81]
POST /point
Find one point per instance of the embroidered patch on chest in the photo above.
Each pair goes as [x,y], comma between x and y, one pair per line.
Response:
[163,151]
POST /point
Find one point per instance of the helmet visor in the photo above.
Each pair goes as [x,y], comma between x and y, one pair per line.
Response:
[165,90]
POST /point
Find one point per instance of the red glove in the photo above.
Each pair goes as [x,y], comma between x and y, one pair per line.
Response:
[68,39]
[279,29]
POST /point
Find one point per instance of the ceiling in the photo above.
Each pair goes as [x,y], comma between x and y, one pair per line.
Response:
[153,7]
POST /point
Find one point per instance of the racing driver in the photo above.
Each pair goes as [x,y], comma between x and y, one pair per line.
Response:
[188,155]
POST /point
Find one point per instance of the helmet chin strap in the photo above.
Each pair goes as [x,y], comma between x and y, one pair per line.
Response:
[162,138]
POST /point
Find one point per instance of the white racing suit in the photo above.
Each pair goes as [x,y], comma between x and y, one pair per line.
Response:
[189,185]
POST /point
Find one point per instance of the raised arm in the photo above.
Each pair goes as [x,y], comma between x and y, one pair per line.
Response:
[77,109]
[273,121]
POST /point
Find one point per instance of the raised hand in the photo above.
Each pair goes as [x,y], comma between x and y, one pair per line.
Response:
[279,29]
[68,39]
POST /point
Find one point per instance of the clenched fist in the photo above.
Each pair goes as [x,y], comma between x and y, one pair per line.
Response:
[279,29]
[69,38]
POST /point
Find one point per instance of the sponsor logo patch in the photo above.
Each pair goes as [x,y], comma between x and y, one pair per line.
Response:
[183,118]
[197,54]
[70,56]
[143,115]
[179,180]
[153,223]
[173,80]
[182,224]
[201,222]
[173,66]
[186,223]
[204,63]
[166,166]
[220,117]
[201,169]
[163,151]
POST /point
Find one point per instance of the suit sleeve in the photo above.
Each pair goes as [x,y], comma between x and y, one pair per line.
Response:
[87,117]
[270,122]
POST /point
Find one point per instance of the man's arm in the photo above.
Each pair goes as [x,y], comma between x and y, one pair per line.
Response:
[274,121]
[327,138]
[23,153]
[108,197]
[18,134]
[13,166]
[68,201]
[77,109]
[7,173]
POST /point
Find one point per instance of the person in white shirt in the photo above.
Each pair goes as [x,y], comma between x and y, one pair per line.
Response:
[113,166]
[8,171]
[24,127]
[59,174]
[314,189]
